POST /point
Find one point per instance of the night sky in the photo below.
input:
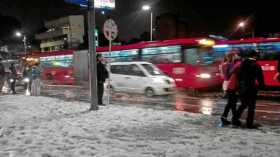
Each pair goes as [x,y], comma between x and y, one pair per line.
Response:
[203,17]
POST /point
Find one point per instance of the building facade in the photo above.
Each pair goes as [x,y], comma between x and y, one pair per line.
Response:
[170,26]
[63,33]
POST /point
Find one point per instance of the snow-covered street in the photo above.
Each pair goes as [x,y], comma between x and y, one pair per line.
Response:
[48,127]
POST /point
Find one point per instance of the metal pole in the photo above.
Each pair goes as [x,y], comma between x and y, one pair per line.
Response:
[25,45]
[151,25]
[92,52]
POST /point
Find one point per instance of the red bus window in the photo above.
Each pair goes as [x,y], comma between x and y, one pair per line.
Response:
[161,55]
[202,56]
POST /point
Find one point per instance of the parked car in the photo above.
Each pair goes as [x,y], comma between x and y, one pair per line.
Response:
[140,77]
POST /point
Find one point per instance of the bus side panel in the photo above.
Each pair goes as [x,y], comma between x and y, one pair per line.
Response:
[181,73]
[185,76]
[269,70]
[58,76]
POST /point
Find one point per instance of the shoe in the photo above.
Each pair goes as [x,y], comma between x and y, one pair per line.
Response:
[236,122]
[252,127]
[101,104]
[225,121]
[258,125]
[93,109]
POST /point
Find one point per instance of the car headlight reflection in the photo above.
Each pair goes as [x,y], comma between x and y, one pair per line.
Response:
[158,80]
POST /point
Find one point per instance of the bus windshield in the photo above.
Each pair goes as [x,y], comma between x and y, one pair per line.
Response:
[62,61]
[152,70]
[199,56]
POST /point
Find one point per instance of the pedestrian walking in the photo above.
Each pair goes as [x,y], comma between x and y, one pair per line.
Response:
[250,79]
[2,75]
[222,68]
[12,78]
[227,67]
[27,78]
[232,88]
[35,80]
[102,75]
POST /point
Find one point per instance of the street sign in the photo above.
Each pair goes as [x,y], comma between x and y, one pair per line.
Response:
[102,4]
[110,29]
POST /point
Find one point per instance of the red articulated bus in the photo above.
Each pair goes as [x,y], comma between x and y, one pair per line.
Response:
[57,66]
[269,51]
[190,62]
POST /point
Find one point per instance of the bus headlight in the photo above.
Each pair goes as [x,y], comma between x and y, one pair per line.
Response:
[204,76]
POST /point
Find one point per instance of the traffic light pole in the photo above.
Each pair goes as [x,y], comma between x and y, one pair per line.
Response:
[92,53]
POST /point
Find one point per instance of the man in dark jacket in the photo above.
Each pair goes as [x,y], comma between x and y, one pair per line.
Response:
[250,80]
[13,76]
[102,75]
[2,75]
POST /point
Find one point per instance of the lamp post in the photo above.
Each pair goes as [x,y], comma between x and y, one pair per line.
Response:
[24,40]
[242,25]
[148,8]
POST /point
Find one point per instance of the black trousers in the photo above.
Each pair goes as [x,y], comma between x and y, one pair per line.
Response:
[100,92]
[248,99]
[13,85]
[231,104]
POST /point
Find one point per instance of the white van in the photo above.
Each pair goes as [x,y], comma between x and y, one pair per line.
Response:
[140,77]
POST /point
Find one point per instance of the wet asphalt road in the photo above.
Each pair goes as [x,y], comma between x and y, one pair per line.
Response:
[209,103]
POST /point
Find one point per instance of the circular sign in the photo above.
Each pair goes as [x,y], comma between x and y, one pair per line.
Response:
[110,29]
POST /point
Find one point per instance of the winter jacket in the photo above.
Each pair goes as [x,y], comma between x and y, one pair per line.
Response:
[13,71]
[102,73]
[35,72]
[226,69]
[233,79]
[250,73]
[2,71]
